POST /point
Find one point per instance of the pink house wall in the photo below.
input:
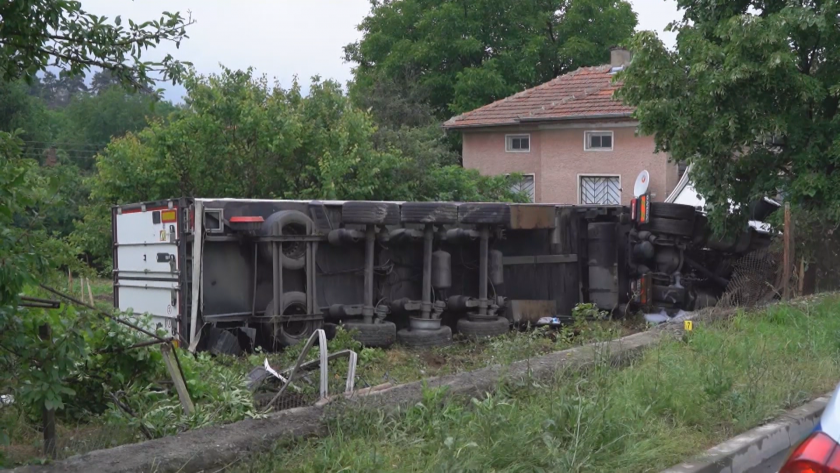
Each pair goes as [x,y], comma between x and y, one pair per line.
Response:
[557,158]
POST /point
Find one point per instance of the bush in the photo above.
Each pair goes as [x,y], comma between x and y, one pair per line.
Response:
[241,137]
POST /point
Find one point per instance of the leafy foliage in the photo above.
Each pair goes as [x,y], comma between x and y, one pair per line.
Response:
[220,396]
[66,36]
[38,366]
[749,97]
[466,54]
[90,121]
[240,136]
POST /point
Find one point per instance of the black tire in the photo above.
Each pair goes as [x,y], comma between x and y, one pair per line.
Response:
[425,338]
[429,212]
[381,335]
[287,334]
[291,222]
[675,211]
[483,328]
[487,214]
[667,226]
[701,231]
[370,213]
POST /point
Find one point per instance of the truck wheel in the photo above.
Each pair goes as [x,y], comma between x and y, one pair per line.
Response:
[291,222]
[475,329]
[381,335]
[425,338]
[670,226]
[290,333]
[370,213]
[701,230]
[675,211]
[488,214]
[429,212]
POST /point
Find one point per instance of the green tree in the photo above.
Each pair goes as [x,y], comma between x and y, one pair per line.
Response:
[240,136]
[750,97]
[19,110]
[91,121]
[41,33]
[36,33]
[465,54]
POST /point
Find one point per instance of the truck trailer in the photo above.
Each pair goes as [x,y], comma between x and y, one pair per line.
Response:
[232,274]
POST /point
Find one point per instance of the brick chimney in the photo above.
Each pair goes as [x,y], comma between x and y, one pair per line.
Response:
[619,57]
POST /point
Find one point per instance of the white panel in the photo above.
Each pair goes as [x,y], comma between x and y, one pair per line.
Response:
[145,258]
[154,301]
[138,227]
[139,242]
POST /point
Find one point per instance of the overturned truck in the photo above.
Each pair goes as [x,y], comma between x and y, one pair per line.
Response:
[232,274]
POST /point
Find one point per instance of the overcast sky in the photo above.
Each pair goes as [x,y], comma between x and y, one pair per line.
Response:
[287,38]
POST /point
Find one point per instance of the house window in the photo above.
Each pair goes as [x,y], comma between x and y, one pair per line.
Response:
[518,143]
[598,141]
[600,190]
[527,185]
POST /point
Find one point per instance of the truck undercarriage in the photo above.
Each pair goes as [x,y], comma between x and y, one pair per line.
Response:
[232,274]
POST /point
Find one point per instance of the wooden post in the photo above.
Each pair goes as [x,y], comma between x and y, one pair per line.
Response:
[48,415]
[175,374]
[787,260]
[69,281]
[90,292]
[808,284]
[801,277]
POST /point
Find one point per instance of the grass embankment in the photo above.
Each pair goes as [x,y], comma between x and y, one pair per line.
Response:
[677,400]
[159,413]
[399,364]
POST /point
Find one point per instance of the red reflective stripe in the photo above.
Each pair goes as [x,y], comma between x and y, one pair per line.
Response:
[148,209]
[633,210]
[247,220]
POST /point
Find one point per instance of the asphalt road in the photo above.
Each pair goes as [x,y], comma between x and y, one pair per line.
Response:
[772,465]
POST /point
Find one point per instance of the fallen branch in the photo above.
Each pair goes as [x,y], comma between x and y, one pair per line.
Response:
[103,313]
[125,408]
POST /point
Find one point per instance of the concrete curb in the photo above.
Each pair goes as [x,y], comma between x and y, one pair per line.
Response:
[752,448]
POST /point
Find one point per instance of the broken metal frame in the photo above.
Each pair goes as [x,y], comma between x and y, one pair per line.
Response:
[323,361]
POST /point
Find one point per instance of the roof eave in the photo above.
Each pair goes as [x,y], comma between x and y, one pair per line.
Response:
[523,120]
[478,125]
[576,117]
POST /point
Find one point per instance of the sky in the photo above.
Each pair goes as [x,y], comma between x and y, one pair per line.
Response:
[287,38]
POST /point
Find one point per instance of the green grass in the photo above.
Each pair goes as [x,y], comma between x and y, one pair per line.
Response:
[375,366]
[399,364]
[102,289]
[677,400]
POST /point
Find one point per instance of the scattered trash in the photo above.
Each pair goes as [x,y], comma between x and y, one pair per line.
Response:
[6,399]
[681,316]
[663,317]
[659,318]
[273,373]
[553,321]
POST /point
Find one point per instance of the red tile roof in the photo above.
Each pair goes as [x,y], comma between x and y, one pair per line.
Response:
[584,93]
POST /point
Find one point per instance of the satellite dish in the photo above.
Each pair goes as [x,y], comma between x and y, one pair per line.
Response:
[642,183]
